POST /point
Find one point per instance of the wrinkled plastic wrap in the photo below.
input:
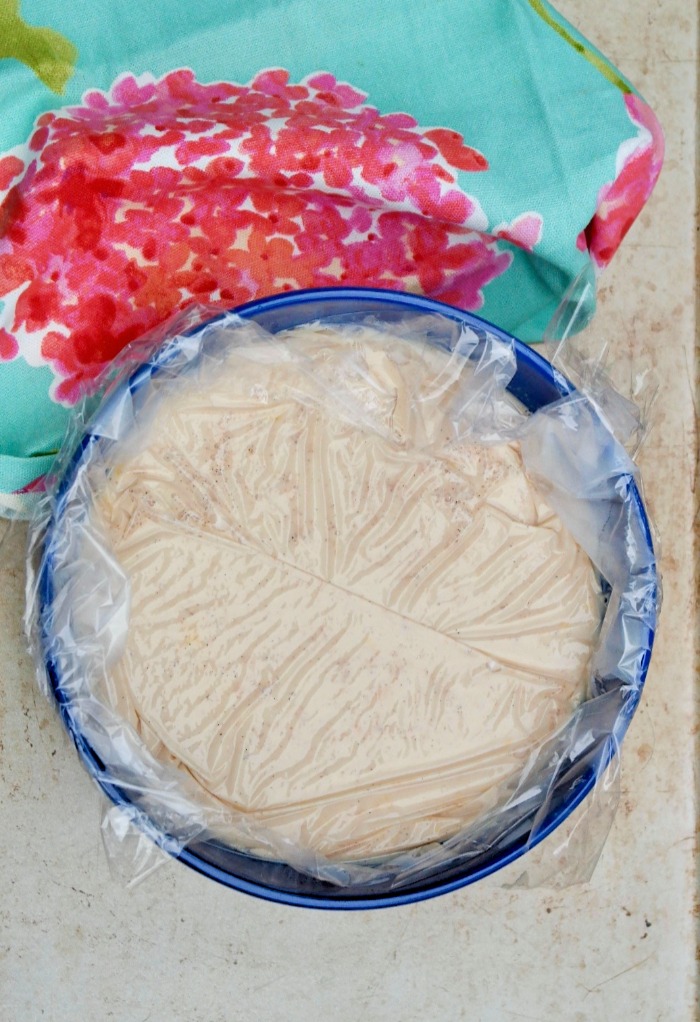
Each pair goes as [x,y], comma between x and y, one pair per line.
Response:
[254,546]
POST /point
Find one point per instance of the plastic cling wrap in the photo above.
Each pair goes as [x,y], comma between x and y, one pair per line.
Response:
[371,596]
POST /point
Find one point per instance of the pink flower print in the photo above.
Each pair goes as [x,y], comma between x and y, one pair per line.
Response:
[620,202]
[525,231]
[163,192]
[10,168]
[345,96]
[8,346]
[451,145]
[36,486]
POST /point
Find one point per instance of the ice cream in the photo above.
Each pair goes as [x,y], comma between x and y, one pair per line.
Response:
[346,624]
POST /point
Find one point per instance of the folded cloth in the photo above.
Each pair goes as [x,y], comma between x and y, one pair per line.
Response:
[483,154]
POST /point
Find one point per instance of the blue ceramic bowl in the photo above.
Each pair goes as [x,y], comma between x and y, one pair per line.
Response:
[534,385]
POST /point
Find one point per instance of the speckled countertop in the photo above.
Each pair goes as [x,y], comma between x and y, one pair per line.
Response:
[75,944]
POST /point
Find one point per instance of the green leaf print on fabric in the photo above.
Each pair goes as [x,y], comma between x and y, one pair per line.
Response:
[47,53]
[543,10]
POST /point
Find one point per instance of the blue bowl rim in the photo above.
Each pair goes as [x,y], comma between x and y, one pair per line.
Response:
[324,897]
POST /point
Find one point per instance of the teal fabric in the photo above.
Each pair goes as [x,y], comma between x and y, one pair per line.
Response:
[532,157]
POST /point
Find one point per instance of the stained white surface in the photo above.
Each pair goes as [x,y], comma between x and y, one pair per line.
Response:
[75,944]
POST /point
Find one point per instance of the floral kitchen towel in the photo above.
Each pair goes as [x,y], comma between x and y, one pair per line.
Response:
[155,155]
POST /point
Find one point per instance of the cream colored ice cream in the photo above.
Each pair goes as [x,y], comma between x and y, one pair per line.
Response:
[343,623]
